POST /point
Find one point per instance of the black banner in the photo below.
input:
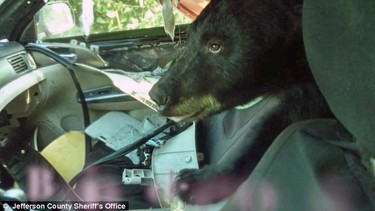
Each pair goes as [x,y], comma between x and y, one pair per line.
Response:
[84,206]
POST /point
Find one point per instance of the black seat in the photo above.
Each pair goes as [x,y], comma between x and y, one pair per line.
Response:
[224,133]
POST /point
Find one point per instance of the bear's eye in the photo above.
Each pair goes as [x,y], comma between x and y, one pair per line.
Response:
[214,48]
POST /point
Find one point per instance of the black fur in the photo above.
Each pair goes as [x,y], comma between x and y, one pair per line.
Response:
[261,53]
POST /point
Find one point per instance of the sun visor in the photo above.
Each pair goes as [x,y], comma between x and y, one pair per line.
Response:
[340,46]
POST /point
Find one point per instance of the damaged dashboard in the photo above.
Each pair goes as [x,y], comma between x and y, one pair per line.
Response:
[32,81]
[21,74]
[43,94]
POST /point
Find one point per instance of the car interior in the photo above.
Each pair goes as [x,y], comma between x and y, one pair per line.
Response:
[76,124]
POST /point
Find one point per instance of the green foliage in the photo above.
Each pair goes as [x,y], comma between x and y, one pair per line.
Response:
[120,15]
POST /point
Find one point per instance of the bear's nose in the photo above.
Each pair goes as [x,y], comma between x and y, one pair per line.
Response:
[159,97]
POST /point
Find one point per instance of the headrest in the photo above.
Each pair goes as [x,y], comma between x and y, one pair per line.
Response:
[340,45]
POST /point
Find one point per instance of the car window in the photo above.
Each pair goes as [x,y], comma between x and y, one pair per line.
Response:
[110,16]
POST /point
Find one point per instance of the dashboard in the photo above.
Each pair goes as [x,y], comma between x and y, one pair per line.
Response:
[36,88]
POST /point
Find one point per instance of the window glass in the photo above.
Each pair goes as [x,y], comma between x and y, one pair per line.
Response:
[115,15]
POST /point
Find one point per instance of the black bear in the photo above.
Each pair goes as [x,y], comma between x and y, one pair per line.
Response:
[237,51]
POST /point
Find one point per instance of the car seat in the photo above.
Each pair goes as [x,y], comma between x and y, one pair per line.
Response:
[325,164]
[222,134]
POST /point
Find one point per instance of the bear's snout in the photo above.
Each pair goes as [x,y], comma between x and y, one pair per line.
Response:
[159,96]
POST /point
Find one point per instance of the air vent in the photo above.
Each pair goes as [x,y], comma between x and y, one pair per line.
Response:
[21,62]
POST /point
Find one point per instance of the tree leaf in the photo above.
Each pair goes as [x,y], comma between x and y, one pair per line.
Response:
[100,20]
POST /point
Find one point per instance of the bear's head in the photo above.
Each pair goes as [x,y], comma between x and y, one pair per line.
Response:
[236,51]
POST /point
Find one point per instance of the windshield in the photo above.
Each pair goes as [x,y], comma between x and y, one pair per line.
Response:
[103,16]
[113,15]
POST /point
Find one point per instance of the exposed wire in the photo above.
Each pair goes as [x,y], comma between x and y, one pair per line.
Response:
[123,151]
